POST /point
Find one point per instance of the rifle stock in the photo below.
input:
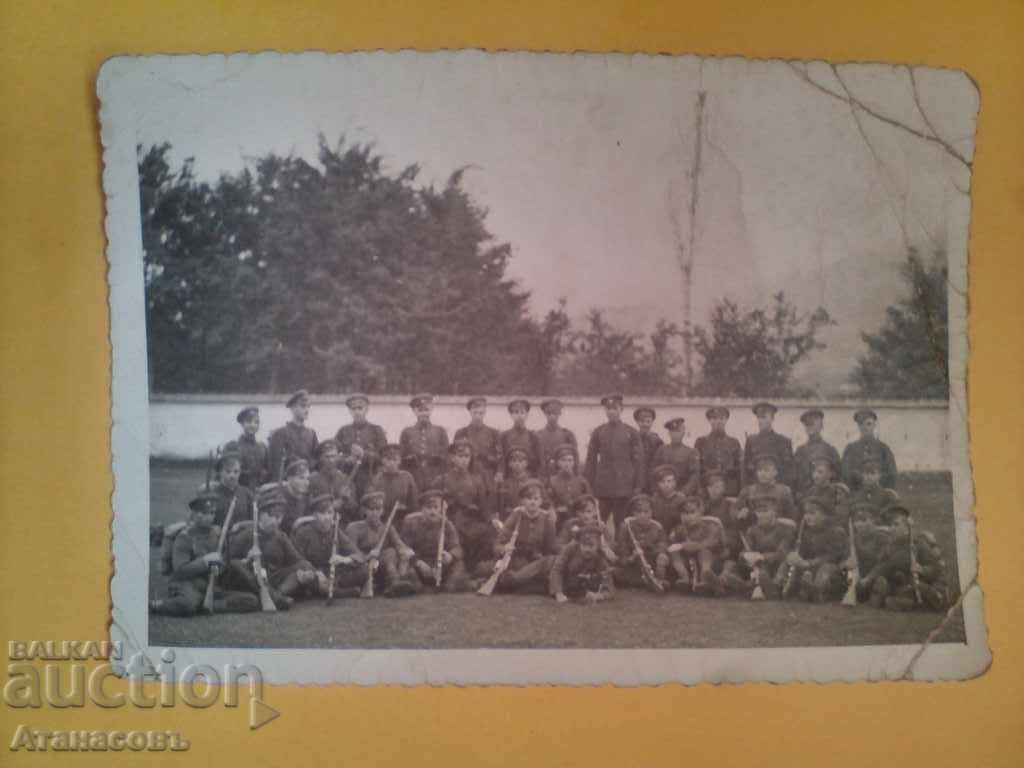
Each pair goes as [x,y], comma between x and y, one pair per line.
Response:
[215,571]
[914,578]
[501,565]
[853,572]
[332,571]
[439,562]
[266,601]
[645,567]
[373,560]
[791,570]
[755,572]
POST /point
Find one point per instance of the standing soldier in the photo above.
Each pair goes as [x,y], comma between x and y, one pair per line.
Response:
[424,445]
[615,461]
[255,456]
[484,439]
[721,453]
[815,448]
[644,418]
[518,436]
[684,460]
[868,447]
[294,440]
[551,437]
[769,442]
[360,442]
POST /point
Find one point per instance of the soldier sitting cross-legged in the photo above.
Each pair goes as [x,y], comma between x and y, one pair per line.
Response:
[395,555]
[314,540]
[534,546]
[422,532]
[642,539]
[696,546]
[582,569]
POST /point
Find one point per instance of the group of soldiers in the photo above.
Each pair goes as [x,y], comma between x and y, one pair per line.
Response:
[515,511]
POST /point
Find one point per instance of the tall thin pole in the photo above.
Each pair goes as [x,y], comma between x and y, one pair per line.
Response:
[686,256]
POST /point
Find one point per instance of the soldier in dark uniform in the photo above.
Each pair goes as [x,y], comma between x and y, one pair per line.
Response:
[868,447]
[872,543]
[899,570]
[534,548]
[228,488]
[871,492]
[294,440]
[395,554]
[582,570]
[721,453]
[815,448]
[360,444]
[422,532]
[615,461]
[484,439]
[819,560]
[195,552]
[396,484]
[255,455]
[565,485]
[722,507]
[644,418]
[770,540]
[584,514]
[518,436]
[650,538]
[508,489]
[552,437]
[697,547]
[424,445]
[469,505]
[332,481]
[294,493]
[666,501]
[288,572]
[683,459]
[834,497]
[313,538]
[769,442]
[766,470]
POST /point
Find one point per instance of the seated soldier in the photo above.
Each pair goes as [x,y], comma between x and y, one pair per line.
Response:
[529,534]
[915,573]
[393,555]
[287,572]
[817,564]
[314,539]
[723,508]
[641,539]
[666,501]
[329,479]
[397,484]
[766,486]
[228,489]
[468,504]
[422,532]
[872,493]
[834,497]
[582,569]
[695,546]
[516,475]
[565,485]
[585,514]
[872,542]
[195,552]
[294,493]
[765,546]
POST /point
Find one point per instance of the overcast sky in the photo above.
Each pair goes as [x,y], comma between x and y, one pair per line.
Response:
[582,159]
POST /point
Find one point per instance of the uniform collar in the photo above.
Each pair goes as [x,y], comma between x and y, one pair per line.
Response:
[247,438]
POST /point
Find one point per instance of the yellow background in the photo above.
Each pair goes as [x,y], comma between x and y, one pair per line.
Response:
[55,480]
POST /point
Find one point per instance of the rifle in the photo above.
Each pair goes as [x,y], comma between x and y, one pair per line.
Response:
[501,565]
[215,570]
[439,563]
[914,577]
[791,573]
[266,601]
[373,560]
[853,572]
[645,567]
[755,572]
[334,550]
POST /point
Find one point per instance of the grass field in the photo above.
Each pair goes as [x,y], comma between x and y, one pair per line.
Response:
[635,619]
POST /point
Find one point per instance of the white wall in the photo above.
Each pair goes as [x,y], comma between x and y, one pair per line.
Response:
[188,426]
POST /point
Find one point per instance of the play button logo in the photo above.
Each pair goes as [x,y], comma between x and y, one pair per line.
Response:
[260,714]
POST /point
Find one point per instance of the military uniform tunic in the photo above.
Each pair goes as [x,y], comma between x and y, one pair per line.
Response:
[859,451]
[548,440]
[255,460]
[786,507]
[651,443]
[706,533]
[773,541]
[563,490]
[296,505]
[666,509]
[615,461]
[720,452]
[833,497]
[243,503]
[373,439]
[770,443]
[825,544]
[876,497]
[685,461]
[536,538]
[486,449]
[398,486]
[292,441]
[815,448]
[524,440]
[315,545]
[280,558]
[422,534]
[424,452]
[574,574]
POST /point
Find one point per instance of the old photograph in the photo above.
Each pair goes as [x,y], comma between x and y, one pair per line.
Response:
[480,368]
